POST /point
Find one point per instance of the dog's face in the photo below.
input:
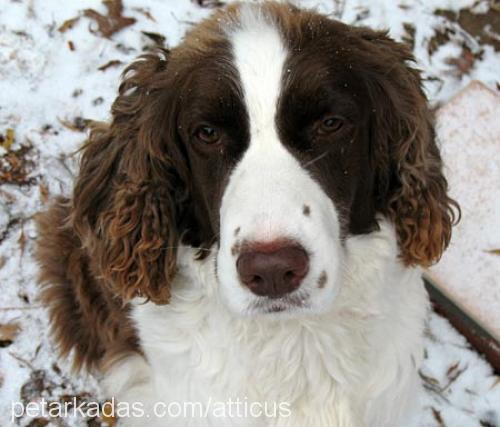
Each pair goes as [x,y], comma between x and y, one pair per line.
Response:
[277,155]
[270,136]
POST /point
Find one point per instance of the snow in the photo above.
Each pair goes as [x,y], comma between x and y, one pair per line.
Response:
[43,82]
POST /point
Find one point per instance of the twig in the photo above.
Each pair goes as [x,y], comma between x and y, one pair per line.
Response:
[33,307]
[23,361]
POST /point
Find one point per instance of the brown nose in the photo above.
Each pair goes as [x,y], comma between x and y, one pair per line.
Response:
[275,273]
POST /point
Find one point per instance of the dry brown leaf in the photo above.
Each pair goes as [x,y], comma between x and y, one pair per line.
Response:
[22,240]
[7,140]
[452,369]
[158,39]
[109,420]
[38,422]
[37,384]
[429,380]
[463,63]
[437,416]
[495,383]
[112,63]
[209,3]
[16,165]
[44,192]
[79,124]
[494,251]
[113,22]
[8,333]
[71,45]
[145,12]
[68,24]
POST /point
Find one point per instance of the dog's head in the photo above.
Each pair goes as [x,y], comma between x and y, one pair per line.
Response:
[269,135]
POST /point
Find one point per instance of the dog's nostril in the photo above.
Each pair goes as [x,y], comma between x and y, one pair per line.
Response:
[257,279]
[273,273]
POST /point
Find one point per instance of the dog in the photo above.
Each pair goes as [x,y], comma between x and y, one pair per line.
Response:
[251,225]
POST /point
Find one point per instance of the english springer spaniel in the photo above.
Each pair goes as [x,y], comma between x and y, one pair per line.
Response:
[251,226]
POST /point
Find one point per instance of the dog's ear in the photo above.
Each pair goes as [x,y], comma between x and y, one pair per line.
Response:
[132,182]
[410,186]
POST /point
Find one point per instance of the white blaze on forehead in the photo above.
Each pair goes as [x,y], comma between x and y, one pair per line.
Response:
[259,56]
[268,188]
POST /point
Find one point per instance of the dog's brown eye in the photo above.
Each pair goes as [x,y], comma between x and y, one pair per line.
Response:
[330,124]
[208,134]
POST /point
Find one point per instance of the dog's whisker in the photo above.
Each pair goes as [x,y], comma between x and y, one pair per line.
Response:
[316,159]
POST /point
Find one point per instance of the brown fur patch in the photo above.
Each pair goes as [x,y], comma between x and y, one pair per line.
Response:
[85,316]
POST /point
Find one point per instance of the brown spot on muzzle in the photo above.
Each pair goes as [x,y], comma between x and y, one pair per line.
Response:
[323,277]
[236,249]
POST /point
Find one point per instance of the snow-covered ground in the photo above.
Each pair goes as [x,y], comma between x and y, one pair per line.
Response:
[55,74]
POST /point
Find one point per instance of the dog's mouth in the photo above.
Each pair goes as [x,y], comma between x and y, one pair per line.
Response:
[286,303]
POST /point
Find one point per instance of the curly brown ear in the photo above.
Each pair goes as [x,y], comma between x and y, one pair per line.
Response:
[411,188]
[124,202]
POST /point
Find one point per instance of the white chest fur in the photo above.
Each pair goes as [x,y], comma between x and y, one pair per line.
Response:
[353,366]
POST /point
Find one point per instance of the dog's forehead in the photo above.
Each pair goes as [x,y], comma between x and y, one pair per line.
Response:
[253,46]
[259,56]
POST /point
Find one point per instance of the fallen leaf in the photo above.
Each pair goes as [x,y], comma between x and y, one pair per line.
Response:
[8,333]
[71,45]
[464,63]
[495,383]
[16,165]
[108,418]
[35,386]
[56,368]
[158,39]
[112,63]
[111,23]
[38,422]
[145,12]
[7,140]
[437,416]
[68,24]
[44,192]
[22,240]
[209,3]
[452,369]
[428,379]
[79,124]
[493,251]
[409,35]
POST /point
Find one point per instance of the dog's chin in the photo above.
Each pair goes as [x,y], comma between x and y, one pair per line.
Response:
[285,305]
[291,306]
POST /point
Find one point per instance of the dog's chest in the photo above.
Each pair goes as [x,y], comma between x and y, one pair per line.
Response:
[206,356]
[345,368]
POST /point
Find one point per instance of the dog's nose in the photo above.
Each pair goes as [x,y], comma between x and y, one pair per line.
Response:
[273,273]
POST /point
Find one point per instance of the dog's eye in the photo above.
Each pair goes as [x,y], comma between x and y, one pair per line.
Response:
[207,134]
[330,125]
